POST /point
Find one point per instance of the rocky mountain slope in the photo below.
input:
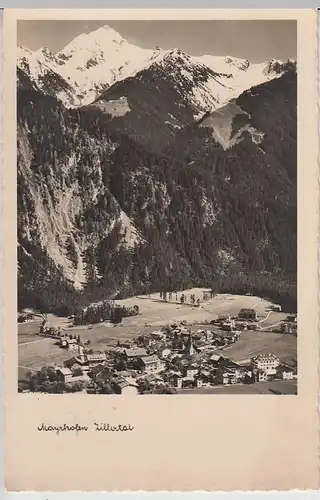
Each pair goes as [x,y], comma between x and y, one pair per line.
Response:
[101,211]
[176,92]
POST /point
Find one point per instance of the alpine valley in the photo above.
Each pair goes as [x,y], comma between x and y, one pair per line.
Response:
[141,170]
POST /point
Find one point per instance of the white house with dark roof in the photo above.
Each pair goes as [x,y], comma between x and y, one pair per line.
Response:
[68,343]
[174,380]
[260,375]
[191,371]
[266,362]
[85,361]
[96,358]
[135,352]
[286,373]
[64,374]
[151,364]
[153,379]
[74,361]
[125,387]
[203,379]
[215,358]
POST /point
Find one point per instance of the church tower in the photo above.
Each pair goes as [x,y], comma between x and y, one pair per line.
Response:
[81,354]
[190,348]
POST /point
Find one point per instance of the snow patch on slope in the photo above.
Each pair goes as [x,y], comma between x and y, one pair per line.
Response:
[221,121]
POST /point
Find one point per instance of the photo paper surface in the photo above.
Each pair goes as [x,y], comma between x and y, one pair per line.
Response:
[161,216]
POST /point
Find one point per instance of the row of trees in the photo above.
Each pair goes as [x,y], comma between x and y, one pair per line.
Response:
[183,298]
[107,311]
[47,380]
[278,289]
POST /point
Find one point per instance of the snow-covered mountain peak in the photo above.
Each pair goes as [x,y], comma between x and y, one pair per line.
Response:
[241,64]
[176,56]
[274,61]
[23,52]
[274,66]
[29,62]
[44,51]
[105,33]
[176,52]
[99,40]
[92,62]
[44,55]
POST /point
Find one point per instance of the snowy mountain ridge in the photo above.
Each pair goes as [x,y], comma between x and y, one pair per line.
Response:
[91,63]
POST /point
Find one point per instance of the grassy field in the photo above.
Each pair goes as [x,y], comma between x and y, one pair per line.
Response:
[252,343]
[283,386]
[33,355]
[34,352]
[155,312]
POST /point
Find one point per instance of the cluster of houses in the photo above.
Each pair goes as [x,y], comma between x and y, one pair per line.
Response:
[25,317]
[170,359]
[290,325]
[268,366]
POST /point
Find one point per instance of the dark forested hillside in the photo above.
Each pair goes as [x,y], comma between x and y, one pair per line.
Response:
[162,99]
[273,110]
[100,214]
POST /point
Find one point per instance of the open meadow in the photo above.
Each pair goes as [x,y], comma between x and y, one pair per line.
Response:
[252,343]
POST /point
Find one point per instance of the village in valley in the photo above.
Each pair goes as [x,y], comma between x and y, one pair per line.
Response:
[249,350]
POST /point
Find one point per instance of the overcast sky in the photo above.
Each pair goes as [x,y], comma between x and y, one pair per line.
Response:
[254,40]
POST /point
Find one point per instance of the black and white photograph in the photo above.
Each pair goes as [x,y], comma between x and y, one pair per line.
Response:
[157,207]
